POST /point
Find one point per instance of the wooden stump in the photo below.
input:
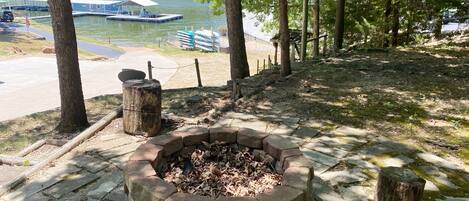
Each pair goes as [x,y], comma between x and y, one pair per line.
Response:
[142,107]
[398,184]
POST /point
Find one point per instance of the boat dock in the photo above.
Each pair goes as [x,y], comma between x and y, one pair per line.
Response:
[162,18]
[76,14]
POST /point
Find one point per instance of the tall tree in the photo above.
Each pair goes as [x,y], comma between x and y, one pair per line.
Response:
[284,38]
[387,22]
[238,58]
[395,23]
[339,25]
[73,113]
[315,28]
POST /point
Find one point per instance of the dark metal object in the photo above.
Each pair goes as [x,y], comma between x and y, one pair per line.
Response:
[131,74]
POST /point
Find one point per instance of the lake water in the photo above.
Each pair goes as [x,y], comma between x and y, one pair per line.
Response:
[196,15]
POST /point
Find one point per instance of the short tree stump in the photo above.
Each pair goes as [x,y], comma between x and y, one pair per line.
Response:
[142,172]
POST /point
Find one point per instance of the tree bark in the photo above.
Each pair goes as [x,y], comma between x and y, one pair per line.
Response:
[315,28]
[304,31]
[73,113]
[387,15]
[398,184]
[142,107]
[395,23]
[339,25]
[238,57]
[438,24]
[284,38]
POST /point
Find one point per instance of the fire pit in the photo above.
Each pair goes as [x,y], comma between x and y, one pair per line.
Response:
[218,164]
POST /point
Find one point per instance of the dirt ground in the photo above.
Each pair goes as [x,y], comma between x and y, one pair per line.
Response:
[214,67]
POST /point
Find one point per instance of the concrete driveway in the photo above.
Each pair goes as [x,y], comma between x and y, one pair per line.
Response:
[30,84]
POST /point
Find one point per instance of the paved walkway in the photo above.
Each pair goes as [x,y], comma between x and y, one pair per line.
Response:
[347,161]
[29,85]
[89,47]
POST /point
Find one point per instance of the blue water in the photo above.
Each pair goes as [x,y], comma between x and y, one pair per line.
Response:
[196,15]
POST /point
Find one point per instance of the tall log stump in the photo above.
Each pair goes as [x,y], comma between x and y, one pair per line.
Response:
[398,184]
[142,107]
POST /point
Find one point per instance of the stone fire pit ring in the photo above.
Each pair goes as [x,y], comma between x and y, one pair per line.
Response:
[143,184]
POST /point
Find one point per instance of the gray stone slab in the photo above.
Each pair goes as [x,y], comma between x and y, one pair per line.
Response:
[350,131]
[69,184]
[386,148]
[37,184]
[343,177]
[363,164]
[439,176]
[107,183]
[117,194]
[90,163]
[324,192]
[281,129]
[334,142]
[119,151]
[106,145]
[356,193]
[319,168]
[438,161]
[398,161]
[332,151]
[320,157]
[120,160]
[430,186]
[252,124]
[306,132]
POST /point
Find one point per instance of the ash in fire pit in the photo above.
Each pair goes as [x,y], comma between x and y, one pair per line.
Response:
[218,169]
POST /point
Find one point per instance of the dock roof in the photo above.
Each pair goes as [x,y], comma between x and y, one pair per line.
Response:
[144,3]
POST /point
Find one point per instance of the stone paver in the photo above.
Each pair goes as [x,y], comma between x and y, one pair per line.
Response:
[90,163]
[251,138]
[282,193]
[252,124]
[71,183]
[147,152]
[343,177]
[356,193]
[324,192]
[275,144]
[350,131]
[151,188]
[320,147]
[192,135]
[187,197]
[170,143]
[430,186]
[363,164]
[320,157]
[224,135]
[398,161]
[104,185]
[439,176]
[119,151]
[306,132]
[438,161]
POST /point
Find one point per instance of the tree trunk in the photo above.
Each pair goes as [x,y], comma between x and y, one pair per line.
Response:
[142,107]
[238,58]
[339,25]
[398,184]
[73,113]
[387,15]
[304,31]
[395,23]
[284,38]
[316,28]
[438,24]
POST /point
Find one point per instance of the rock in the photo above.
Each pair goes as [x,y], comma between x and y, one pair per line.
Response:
[72,183]
[398,161]
[299,178]
[48,50]
[275,144]
[251,138]
[343,177]
[320,157]
[148,152]
[170,143]
[430,186]
[438,161]
[320,147]
[356,193]
[223,135]
[282,193]
[192,135]
[323,192]
[306,132]
[150,188]
[438,176]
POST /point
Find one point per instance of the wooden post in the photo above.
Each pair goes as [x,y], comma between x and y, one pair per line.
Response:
[199,80]
[304,31]
[269,63]
[276,53]
[258,67]
[263,66]
[398,184]
[150,73]
[142,107]
[324,51]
